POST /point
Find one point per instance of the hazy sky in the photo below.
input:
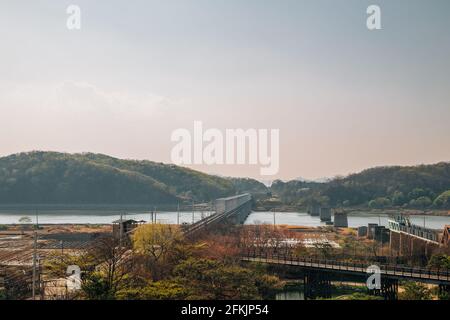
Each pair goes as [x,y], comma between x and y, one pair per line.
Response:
[344,98]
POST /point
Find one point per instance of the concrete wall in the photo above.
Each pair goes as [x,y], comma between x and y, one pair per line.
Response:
[371,230]
[362,231]
[340,220]
[314,211]
[325,214]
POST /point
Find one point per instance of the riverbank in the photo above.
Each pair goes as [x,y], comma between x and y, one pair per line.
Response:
[364,210]
[394,211]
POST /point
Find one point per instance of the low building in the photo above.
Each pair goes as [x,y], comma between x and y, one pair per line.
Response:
[124,227]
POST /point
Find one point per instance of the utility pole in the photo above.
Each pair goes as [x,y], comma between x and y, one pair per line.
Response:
[178,214]
[39,279]
[193,216]
[35,255]
[274,219]
[155,215]
[120,230]
[34,265]
[37,219]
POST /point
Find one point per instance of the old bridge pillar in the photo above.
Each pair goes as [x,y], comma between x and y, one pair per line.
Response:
[444,290]
[317,284]
[389,289]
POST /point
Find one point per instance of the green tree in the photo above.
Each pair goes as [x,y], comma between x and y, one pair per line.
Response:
[439,261]
[156,242]
[415,291]
[111,265]
[211,279]
[443,200]
[398,198]
[421,202]
[2,294]
[160,290]
[380,203]
[24,221]
[96,286]
[358,296]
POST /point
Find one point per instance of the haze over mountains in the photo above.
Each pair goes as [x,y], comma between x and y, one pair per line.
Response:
[60,178]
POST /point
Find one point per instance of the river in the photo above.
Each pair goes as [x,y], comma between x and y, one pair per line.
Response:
[67,216]
[354,220]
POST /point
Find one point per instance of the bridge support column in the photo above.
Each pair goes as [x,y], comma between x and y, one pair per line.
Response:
[317,285]
[389,289]
[444,291]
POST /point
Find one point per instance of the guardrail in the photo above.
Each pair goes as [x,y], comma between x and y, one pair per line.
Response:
[218,216]
[430,274]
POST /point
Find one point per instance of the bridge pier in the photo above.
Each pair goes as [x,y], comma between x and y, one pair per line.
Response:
[317,284]
[389,289]
[233,210]
[412,247]
[444,290]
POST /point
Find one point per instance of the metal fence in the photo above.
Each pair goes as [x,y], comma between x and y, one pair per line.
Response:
[399,271]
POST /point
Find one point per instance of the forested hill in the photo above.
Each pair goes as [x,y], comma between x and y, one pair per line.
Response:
[423,186]
[61,178]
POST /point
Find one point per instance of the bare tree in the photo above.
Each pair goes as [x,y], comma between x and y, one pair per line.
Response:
[111,263]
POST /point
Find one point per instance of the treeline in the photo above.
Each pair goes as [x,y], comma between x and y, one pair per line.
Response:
[424,186]
[61,178]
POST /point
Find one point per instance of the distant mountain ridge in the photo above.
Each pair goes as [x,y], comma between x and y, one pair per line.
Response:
[422,186]
[40,177]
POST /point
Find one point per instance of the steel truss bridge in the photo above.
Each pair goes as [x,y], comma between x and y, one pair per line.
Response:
[318,273]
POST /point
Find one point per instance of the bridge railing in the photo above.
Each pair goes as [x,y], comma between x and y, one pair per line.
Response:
[356,267]
[224,207]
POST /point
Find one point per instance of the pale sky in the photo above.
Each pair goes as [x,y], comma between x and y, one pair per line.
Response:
[344,98]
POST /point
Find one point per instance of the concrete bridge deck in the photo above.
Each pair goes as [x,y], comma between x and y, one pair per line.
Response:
[234,209]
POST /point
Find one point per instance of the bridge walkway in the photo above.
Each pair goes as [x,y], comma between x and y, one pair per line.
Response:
[432,276]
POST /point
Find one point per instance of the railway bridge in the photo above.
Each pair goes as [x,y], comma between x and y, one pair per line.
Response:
[411,240]
[232,209]
[318,274]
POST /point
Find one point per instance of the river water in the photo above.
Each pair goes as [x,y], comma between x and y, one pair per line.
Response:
[354,220]
[288,218]
[96,216]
